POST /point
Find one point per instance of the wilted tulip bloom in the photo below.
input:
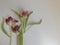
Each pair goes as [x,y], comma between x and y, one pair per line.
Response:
[8,20]
[15,28]
[11,21]
[24,13]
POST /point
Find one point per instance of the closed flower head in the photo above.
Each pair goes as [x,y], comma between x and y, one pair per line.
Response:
[24,13]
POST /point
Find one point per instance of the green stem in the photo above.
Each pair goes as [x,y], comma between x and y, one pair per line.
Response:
[20,36]
[10,37]
[16,39]
[20,39]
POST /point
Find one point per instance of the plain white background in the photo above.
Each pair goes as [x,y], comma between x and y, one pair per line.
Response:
[48,33]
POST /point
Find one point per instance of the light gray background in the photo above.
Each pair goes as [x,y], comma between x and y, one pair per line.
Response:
[48,33]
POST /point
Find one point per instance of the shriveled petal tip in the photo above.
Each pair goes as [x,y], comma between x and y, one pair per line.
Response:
[6,21]
[15,28]
[15,20]
[10,18]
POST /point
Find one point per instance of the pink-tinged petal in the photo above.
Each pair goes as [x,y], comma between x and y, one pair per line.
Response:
[15,21]
[15,28]
[24,13]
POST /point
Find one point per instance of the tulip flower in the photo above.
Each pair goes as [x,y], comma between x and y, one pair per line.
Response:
[24,13]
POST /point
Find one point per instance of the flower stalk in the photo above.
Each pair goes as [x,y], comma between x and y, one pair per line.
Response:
[20,39]
[10,37]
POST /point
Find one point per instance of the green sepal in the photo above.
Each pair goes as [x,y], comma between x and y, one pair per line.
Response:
[3,29]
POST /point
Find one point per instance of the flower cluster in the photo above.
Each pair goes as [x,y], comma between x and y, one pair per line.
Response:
[11,20]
